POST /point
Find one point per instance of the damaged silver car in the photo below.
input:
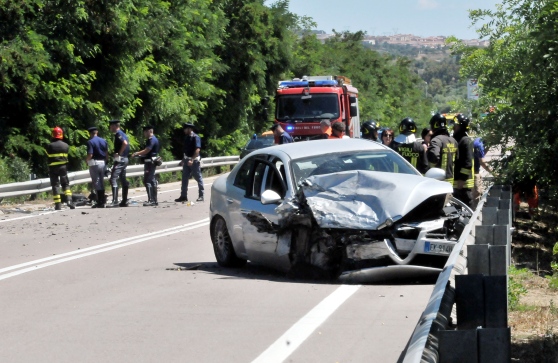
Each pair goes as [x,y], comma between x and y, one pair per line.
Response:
[348,208]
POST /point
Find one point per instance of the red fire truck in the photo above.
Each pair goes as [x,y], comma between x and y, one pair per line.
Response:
[301,104]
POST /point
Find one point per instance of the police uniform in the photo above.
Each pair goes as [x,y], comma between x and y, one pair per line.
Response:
[192,143]
[479,153]
[119,168]
[464,177]
[149,167]
[97,147]
[57,153]
[442,152]
[415,154]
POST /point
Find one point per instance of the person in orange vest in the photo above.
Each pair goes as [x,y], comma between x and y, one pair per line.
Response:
[337,131]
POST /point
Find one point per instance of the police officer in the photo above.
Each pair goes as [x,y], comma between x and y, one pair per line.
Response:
[97,158]
[479,153]
[57,153]
[407,145]
[443,148]
[120,158]
[148,156]
[281,135]
[369,130]
[464,176]
[191,163]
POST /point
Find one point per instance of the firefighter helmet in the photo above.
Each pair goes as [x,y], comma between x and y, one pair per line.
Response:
[57,133]
[369,128]
[438,122]
[407,126]
[462,121]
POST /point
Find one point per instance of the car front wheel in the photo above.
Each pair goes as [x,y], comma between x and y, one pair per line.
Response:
[222,245]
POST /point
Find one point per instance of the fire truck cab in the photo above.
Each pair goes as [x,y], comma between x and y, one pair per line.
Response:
[301,104]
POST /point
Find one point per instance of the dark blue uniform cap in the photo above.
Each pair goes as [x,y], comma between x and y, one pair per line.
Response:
[148,127]
[114,122]
[92,128]
[188,125]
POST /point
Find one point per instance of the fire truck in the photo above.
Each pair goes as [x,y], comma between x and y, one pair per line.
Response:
[301,104]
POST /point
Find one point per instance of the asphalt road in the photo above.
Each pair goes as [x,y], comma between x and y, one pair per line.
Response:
[141,284]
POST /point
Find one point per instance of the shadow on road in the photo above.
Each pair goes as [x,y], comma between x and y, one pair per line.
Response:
[253,271]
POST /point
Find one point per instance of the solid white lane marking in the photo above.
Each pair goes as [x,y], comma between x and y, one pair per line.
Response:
[167,191]
[54,260]
[287,343]
[57,211]
[32,216]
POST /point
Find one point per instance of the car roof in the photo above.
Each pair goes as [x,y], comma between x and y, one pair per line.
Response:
[303,149]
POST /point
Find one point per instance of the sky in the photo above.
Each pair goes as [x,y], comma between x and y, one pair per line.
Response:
[379,17]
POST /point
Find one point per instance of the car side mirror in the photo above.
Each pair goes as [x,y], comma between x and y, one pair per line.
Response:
[436,173]
[270,197]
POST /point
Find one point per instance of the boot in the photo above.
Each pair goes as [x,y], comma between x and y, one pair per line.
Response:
[57,206]
[152,197]
[200,198]
[124,202]
[114,197]
[67,199]
[100,199]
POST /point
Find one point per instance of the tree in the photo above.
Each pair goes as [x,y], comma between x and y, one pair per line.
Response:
[518,74]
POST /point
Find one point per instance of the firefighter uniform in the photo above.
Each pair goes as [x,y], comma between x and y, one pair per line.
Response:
[464,175]
[97,153]
[415,154]
[57,153]
[442,152]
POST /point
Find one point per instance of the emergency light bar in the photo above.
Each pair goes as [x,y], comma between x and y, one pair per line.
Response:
[295,84]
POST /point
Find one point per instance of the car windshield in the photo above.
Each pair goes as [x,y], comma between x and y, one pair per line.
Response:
[259,143]
[319,106]
[381,160]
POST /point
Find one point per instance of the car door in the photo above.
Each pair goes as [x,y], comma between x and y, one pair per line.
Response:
[260,237]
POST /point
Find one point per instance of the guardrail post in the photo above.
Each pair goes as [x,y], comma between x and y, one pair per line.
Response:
[494,345]
[458,346]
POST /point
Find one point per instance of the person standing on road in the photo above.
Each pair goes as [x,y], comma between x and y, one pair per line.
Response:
[464,178]
[281,135]
[479,154]
[443,148]
[57,153]
[325,126]
[387,137]
[409,147]
[191,163]
[120,158]
[97,158]
[369,130]
[337,131]
[148,156]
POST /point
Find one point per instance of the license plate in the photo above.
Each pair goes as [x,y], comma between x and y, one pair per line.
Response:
[440,248]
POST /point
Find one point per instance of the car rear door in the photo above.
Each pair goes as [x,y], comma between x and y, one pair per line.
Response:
[260,221]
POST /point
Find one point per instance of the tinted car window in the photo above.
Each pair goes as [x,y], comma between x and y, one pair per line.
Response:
[383,161]
[259,143]
[241,178]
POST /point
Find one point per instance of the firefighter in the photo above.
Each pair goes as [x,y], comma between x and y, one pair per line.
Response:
[148,156]
[97,158]
[57,153]
[409,147]
[443,148]
[369,130]
[464,178]
[120,158]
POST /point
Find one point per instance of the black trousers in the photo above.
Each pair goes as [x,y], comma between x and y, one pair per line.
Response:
[59,176]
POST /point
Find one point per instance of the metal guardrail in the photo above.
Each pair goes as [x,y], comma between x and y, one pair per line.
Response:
[82,177]
[435,338]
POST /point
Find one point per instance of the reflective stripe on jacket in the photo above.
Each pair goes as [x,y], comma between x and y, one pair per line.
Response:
[57,153]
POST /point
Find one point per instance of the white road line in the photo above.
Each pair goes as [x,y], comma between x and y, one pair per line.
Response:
[32,216]
[57,211]
[283,347]
[54,260]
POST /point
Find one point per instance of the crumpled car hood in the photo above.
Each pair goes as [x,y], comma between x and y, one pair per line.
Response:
[367,199]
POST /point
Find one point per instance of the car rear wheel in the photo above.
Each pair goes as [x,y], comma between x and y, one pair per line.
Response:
[222,245]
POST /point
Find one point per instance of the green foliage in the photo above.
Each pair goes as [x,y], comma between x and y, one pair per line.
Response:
[13,170]
[554,265]
[519,75]
[515,287]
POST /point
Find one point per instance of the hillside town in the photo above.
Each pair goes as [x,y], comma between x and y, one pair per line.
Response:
[408,39]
